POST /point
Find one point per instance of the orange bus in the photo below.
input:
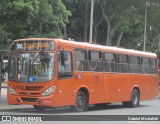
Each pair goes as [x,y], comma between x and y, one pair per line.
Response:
[46,72]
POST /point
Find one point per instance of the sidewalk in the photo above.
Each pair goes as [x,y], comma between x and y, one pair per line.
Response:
[4,105]
[4,84]
[3,97]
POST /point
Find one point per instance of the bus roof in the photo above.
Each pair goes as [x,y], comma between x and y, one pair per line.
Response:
[95,46]
[108,48]
[33,39]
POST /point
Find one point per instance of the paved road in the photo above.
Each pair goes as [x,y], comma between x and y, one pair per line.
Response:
[146,108]
[151,107]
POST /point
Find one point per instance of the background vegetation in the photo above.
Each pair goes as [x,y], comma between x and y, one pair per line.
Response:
[116,22]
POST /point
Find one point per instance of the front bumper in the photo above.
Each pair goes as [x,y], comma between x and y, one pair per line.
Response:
[29,100]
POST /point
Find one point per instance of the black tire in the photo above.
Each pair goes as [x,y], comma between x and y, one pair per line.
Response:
[81,102]
[135,99]
[40,108]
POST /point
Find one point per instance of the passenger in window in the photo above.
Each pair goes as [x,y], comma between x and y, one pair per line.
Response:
[92,65]
[78,66]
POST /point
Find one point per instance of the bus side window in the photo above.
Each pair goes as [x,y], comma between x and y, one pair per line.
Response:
[65,64]
[123,63]
[95,61]
[145,65]
[153,66]
[135,64]
[80,60]
[110,62]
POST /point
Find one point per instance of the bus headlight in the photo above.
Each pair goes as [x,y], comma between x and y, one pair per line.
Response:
[49,91]
[11,91]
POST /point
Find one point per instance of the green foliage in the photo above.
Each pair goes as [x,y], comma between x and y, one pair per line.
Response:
[114,20]
[37,18]
[75,29]
[3,36]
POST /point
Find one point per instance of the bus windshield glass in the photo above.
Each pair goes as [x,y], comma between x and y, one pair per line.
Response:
[32,61]
[31,67]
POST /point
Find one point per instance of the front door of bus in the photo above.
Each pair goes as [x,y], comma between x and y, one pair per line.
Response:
[65,77]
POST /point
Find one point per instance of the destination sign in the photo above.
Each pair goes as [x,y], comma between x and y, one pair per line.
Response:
[33,45]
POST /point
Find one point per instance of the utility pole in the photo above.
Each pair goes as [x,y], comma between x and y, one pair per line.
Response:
[145,28]
[91,22]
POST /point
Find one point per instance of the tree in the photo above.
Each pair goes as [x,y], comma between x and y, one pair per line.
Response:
[119,16]
[38,18]
[60,16]
[116,22]
[153,27]
[75,29]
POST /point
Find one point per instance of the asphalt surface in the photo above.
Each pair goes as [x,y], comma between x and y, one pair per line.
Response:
[151,107]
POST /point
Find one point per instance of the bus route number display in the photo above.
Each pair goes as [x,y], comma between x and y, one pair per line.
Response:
[33,45]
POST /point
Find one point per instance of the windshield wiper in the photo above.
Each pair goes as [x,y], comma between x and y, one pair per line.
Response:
[38,55]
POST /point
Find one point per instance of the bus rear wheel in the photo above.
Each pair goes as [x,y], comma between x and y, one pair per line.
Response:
[135,99]
[81,102]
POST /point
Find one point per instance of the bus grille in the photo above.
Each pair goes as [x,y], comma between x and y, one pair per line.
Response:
[33,88]
[26,93]
[29,99]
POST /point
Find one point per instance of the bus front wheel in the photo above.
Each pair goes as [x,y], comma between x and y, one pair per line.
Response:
[135,99]
[81,102]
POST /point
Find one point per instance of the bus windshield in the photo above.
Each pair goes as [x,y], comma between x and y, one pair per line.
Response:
[31,66]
